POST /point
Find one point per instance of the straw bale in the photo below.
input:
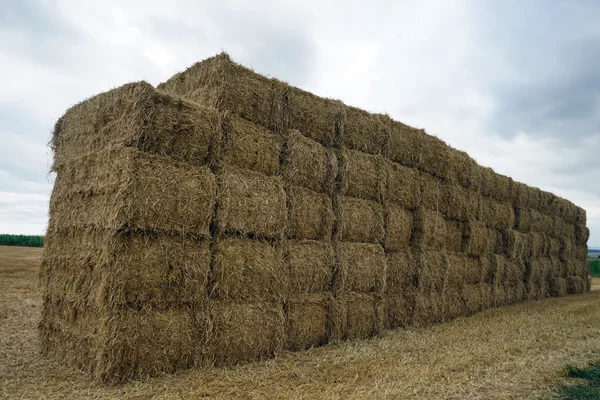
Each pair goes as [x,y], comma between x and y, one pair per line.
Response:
[307,163]
[137,115]
[403,186]
[432,269]
[498,215]
[250,203]
[220,83]
[479,239]
[495,186]
[558,287]
[433,156]
[249,146]
[318,118]
[248,270]
[576,285]
[515,292]
[359,315]
[307,318]
[122,188]
[558,268]
[477,297]
[566,249]
[453,304]
[581,216]
[398,309]
[498,269]
[465,171]
[430,229]
[310,214]
[454,235]
[563,229]
[552,247]
[140,344]
[245,331]
[361,267]
[359,220]
[429,308]
[499,295]
[458,203]
[399,224]
[580,252]
[535,245]
[361,175]
[401,271]
[514,243]
[582,234]
[310,264]
[404,144]
[542,223]
[364,131]
[464,269]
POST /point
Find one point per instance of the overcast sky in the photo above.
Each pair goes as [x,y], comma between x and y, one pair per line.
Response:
[515,84]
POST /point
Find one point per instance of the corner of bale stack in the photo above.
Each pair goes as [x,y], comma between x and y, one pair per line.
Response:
[251,147]
[307,320]
[361,175]
[310,214]
[359,220]
[250,203]
[307,163]
[245,331]
[360,267]
[220,83]
[310,265]
[248,270]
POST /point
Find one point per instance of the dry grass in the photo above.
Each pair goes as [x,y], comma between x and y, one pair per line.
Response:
[513,352]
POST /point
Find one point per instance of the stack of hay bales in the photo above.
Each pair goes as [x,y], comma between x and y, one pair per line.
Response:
[227,216]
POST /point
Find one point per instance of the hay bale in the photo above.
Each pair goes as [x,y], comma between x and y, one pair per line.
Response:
[137,115]
[307,163]
[248,270]
[515,292]
[310,214]
[430,229]
[431,191]
[398,227]
[364,131]
[479,239]
[580,252]
[563,229]
[464,269]
[310,264]
[581,216]
[514,244]
[558,287]
[125,189]
[250,203]
[432,266]
[453,304]
[359,220]
[403,186]
[576,285]
[498,269]
[404,144]
[477,297]
[360,267]
[454,235]
[465,171]
[245,331]
[552,247]
[220,83]
[499,295]
[398,309]
[429,308]
[582,234]
[498,215]
[458,203]
[249,146]
[307,319]
[401,272]
[318,118]
[359,315]
[495,186]
[535,245]
[566,249]
[361,175]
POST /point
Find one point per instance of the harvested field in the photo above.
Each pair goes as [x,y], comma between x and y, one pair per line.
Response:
[516,352]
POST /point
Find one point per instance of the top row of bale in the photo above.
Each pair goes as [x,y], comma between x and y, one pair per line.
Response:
[247,101]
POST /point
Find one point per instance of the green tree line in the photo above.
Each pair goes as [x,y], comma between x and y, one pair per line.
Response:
[21,240]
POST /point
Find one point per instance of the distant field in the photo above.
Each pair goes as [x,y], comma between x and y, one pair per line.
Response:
[514,352]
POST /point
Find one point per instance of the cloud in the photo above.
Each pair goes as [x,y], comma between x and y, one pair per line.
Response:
[513,83]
